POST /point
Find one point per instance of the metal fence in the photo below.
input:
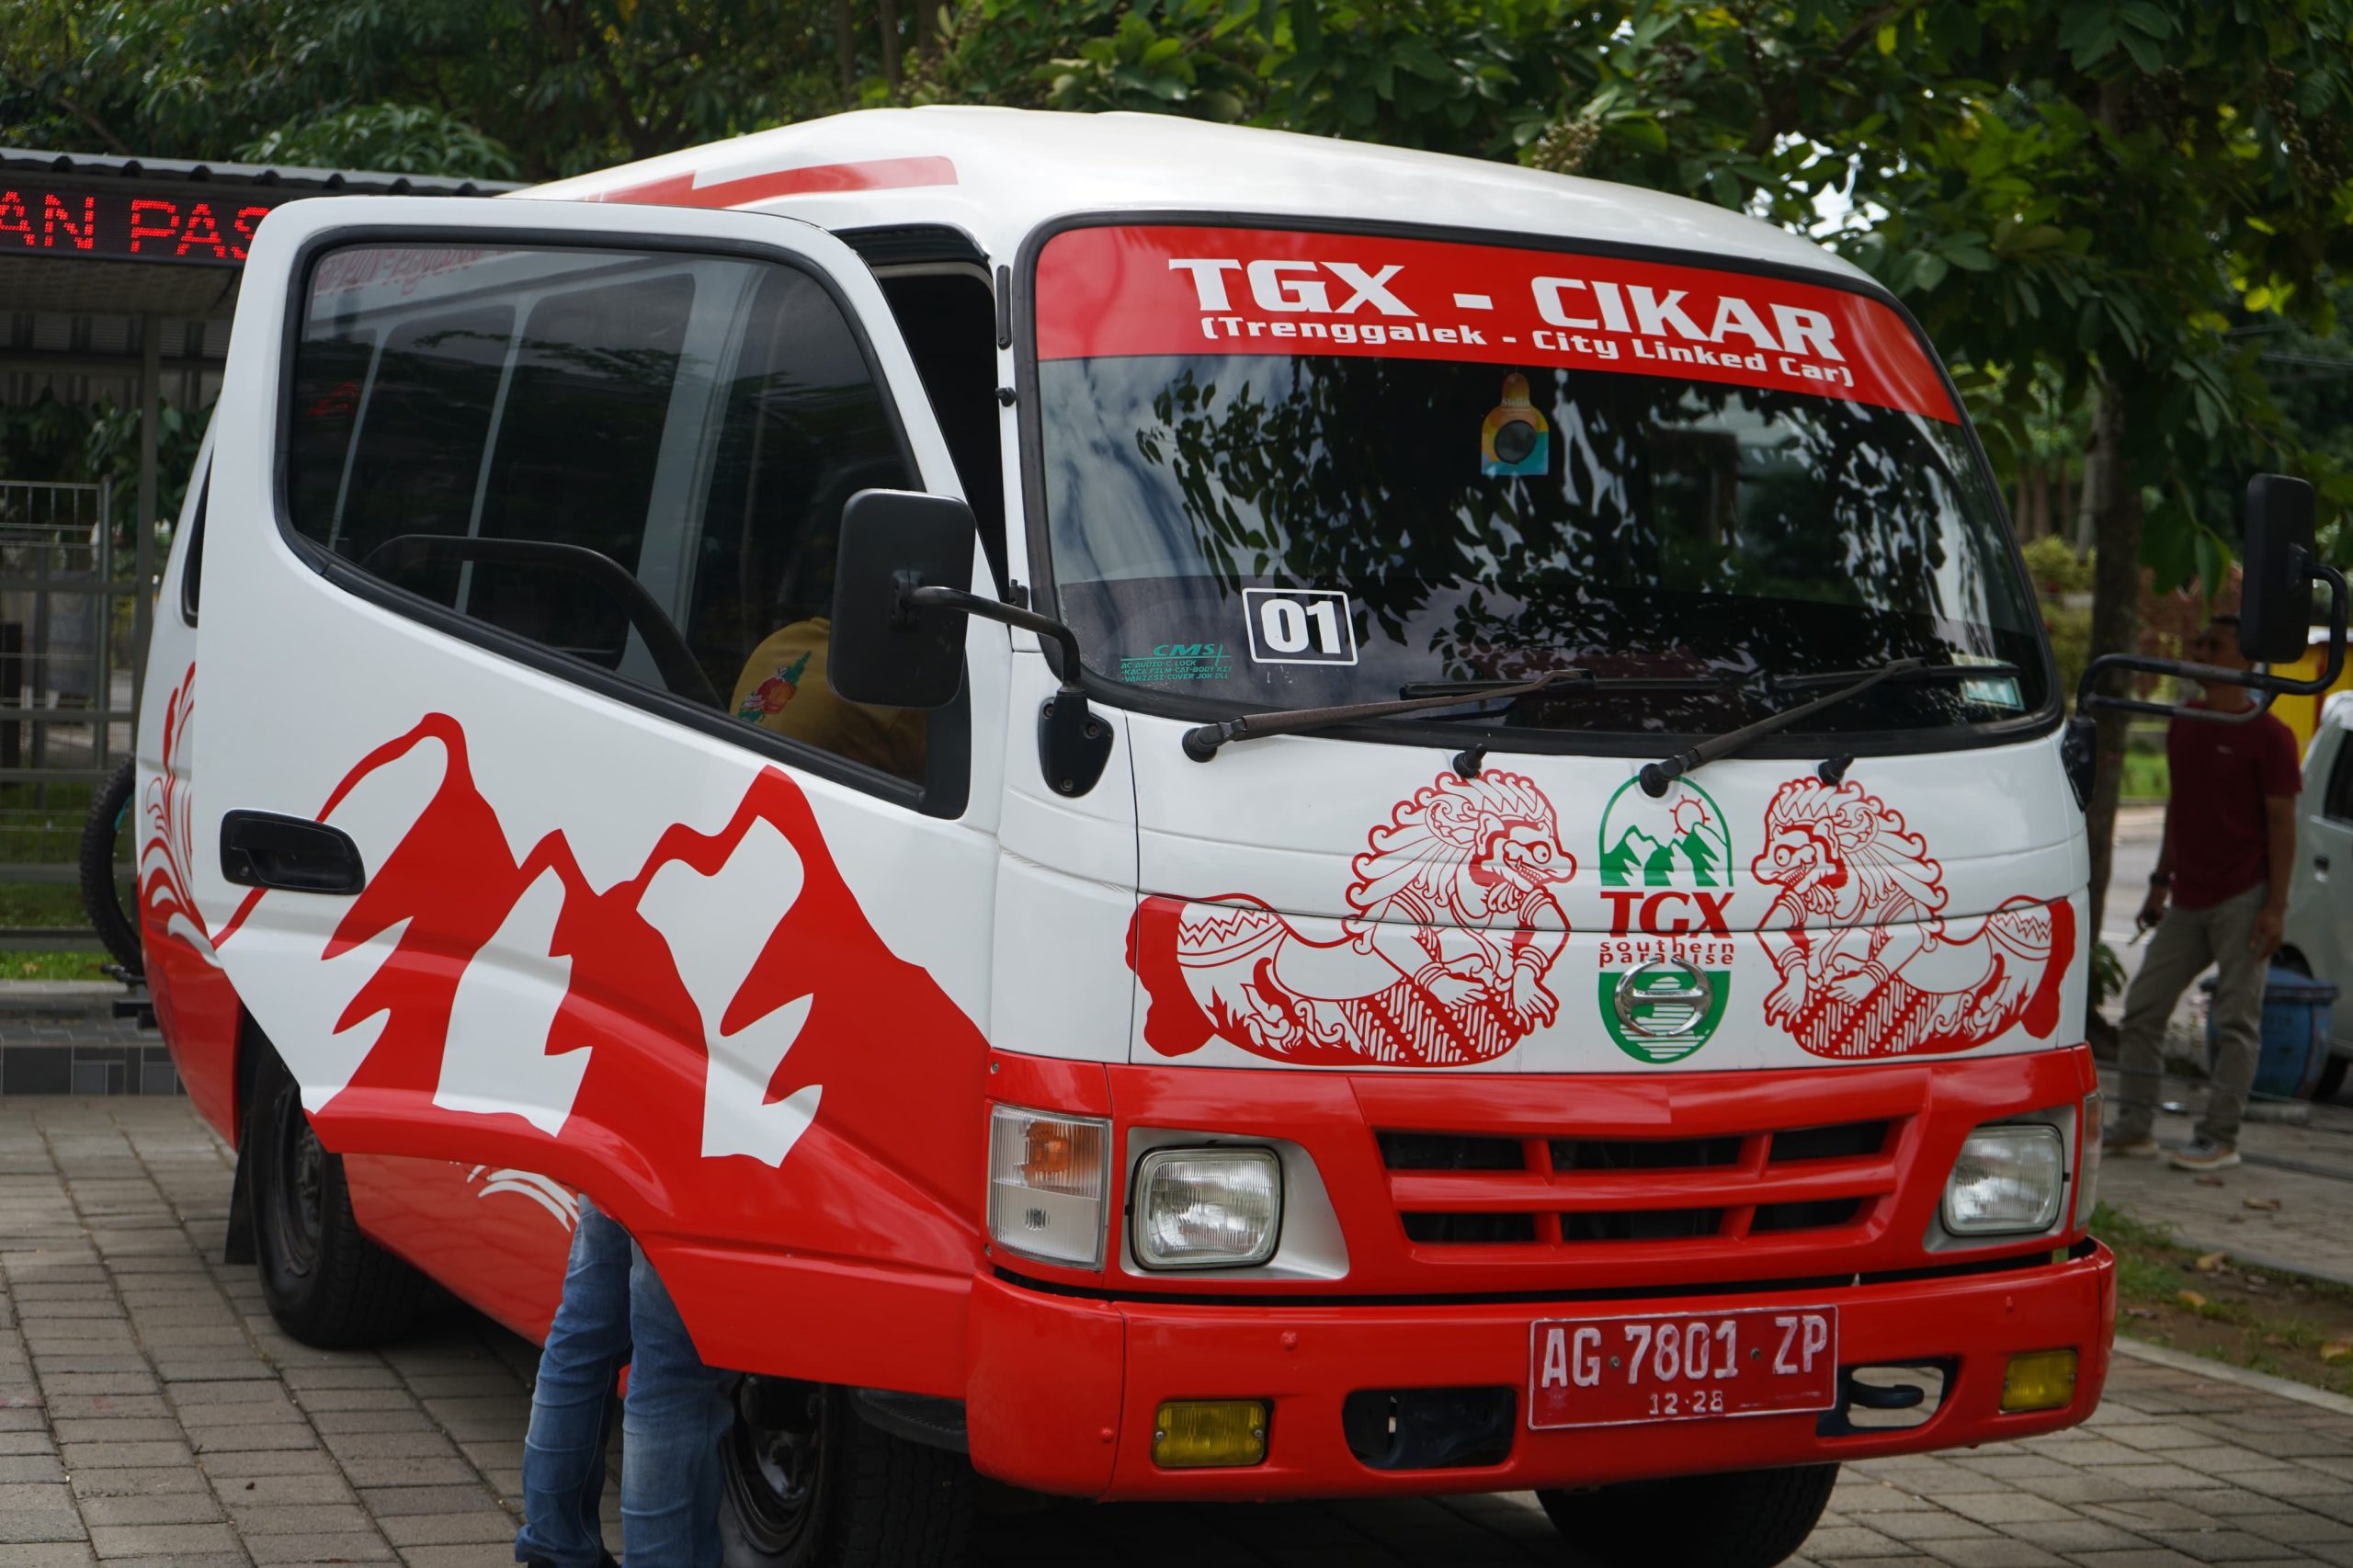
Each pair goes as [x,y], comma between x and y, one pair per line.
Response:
[68,687]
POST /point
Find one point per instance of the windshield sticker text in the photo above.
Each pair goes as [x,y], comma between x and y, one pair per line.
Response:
[1171,289]
[1180,660]
[1300,626]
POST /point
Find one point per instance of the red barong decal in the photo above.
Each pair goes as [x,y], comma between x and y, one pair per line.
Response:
[1441,963]
[1869,965]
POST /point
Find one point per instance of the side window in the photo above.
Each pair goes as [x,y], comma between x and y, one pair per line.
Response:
[638,461]
[192,573]
[2337,803]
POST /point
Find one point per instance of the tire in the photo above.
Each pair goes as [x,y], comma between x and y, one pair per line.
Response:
[807,1483]
[2332,1078]
[325,1282]
[102,830]
[1751,1518]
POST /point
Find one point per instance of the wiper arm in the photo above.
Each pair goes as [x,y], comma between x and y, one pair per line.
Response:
[1202,744]
[1657,776]
[1590,682]
[1814,680]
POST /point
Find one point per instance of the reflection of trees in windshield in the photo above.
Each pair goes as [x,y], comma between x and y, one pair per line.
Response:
[1675,528]
[1364,473]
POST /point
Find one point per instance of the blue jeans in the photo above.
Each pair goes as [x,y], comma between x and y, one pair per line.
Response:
[672,1422]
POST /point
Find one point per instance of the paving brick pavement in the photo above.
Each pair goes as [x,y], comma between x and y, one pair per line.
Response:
[152,1417]
[2286,1206]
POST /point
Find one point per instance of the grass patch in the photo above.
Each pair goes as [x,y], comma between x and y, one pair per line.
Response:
[2285,1324]
[41,904]
[53,966]
[2146,776]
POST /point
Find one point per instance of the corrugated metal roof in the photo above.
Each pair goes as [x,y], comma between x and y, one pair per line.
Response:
[177,171]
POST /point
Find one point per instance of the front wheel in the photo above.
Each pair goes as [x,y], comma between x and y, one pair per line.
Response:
[808,1483]
[1751,1518]
[324,1281]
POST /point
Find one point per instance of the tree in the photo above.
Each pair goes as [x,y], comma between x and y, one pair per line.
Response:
[2088,196]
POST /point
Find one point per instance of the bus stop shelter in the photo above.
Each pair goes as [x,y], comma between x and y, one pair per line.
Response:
[118,279]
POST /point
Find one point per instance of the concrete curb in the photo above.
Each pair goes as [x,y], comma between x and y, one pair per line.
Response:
[2222,1371]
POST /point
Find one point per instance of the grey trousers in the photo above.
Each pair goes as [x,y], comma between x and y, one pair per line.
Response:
[2184,943]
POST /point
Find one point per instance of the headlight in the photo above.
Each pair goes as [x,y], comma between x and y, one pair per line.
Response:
[2008,1178]
[2088,1136]
[1208,1208]
[1046,1185]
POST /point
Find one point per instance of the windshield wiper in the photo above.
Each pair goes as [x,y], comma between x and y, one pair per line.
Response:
[1590,682]
[1201,744]
[1657,776]
[1814,680]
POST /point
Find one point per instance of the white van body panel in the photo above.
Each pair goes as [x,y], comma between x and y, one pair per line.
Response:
[1013,170]
[557,763]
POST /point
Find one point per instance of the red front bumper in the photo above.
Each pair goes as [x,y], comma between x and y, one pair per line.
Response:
[1065,1368]
[1062,1388]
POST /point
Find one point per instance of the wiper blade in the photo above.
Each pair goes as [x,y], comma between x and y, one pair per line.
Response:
[1588,682]
[1202,744]
[1814,680]
[1657,776]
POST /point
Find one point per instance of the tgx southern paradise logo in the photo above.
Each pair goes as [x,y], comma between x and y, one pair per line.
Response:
[1667,876]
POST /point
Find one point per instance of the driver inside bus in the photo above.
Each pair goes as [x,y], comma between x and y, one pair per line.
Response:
[783,687]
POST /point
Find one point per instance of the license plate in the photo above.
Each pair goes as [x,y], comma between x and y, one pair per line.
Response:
[1682,1367]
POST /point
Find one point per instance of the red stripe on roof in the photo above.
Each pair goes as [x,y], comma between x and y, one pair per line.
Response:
[877,174]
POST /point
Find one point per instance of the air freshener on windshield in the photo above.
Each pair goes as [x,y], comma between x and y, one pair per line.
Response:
[1515,438]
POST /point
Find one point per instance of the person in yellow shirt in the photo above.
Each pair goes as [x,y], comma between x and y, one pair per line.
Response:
[783,687]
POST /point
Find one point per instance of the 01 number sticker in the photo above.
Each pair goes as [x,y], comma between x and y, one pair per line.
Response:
[1300,626]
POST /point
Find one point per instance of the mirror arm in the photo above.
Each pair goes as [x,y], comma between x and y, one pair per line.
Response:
[2077,750]
[1072,743]
[915,596]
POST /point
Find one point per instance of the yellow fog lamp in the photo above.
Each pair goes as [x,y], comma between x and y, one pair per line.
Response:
[2039,1379]
[1203,1433]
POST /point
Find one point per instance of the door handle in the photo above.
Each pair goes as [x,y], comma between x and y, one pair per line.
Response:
[263,849]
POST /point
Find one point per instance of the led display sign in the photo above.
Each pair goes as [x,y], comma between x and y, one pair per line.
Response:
[199,225]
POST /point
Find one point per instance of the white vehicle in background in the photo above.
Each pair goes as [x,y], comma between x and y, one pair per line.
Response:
[2319,901]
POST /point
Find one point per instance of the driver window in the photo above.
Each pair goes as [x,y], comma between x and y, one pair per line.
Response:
[638,461]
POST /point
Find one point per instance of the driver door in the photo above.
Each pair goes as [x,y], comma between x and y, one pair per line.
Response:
[525,825]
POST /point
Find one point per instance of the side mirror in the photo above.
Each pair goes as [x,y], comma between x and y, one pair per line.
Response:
[886,652]
[2276,587]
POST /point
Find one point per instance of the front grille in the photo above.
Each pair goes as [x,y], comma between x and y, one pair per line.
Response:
[1461,1229]
[1445,1152]
[1542,1190]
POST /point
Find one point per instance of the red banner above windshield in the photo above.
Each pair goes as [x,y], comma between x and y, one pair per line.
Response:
[1165,290]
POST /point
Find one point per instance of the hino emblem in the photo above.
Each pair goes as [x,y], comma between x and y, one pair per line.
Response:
[1663,998]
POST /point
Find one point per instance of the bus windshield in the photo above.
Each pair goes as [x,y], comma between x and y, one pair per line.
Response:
[1289,470]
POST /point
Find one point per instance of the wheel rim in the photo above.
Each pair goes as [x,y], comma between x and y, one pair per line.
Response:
[776,1462]
[297,1213]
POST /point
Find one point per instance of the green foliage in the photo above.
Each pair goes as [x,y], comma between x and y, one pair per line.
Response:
[2107,974]
[83,443]
[2053,564]
[2149,194]
[2146,776]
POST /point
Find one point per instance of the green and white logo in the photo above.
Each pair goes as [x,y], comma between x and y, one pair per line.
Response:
[1666,973]
[1677,840]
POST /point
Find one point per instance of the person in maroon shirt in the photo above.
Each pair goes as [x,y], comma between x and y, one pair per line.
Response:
[2229,839]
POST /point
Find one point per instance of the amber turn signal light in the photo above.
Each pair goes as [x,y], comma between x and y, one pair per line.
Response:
[1204,1434]
[2039,1379]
